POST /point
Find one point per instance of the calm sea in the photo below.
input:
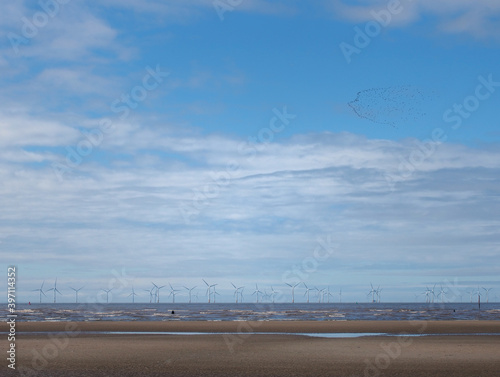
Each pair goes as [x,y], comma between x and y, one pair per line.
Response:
[258,312]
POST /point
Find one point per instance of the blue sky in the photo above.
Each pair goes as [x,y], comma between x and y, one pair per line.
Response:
[165,142]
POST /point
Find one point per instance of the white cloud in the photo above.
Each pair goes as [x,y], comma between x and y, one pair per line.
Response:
[73,33]
[73,81]
[22,130]
[277,202]
[476,18]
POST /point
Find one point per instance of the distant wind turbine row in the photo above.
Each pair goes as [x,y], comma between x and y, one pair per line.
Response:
[322,295]
[431,295]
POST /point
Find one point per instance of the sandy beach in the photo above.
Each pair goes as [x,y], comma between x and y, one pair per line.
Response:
[70,350]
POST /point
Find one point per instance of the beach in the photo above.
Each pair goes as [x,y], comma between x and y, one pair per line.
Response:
[226,348]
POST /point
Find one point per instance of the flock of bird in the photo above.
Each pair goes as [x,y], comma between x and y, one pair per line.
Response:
[322,295]
[392,106]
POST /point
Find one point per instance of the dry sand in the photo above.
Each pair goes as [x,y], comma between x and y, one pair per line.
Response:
[72,352]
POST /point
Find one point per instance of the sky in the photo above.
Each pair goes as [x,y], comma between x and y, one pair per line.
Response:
[338,143]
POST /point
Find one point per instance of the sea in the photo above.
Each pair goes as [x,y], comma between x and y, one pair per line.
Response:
[254,312]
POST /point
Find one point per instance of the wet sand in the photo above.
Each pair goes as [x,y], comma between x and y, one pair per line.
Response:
[70,351]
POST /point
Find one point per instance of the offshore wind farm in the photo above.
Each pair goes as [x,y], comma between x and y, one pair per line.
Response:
[449,292]
[313,303]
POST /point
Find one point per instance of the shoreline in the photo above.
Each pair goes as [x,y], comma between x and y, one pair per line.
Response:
[357,326]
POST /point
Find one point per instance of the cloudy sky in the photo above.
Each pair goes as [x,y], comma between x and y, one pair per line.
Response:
[338,143]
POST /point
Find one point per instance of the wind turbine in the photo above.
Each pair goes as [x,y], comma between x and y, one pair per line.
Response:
[307,292]
[318,294]
[372,292]
[378,294]
[235,292]
[433,294]
[158,293]
[487,293]
[155,289]
[441,293]
[76,293]
[321,295]
[478,296]
[273,293]
[41,291]
[238,291]
[190,290]
[133,294]
[340,295]
[215,292]
[150,294]
[107,294]
[173,293]
[55,290]
[256,292]
[329,294]
[293,289]
[209,291]
[427,293]
[241,293]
